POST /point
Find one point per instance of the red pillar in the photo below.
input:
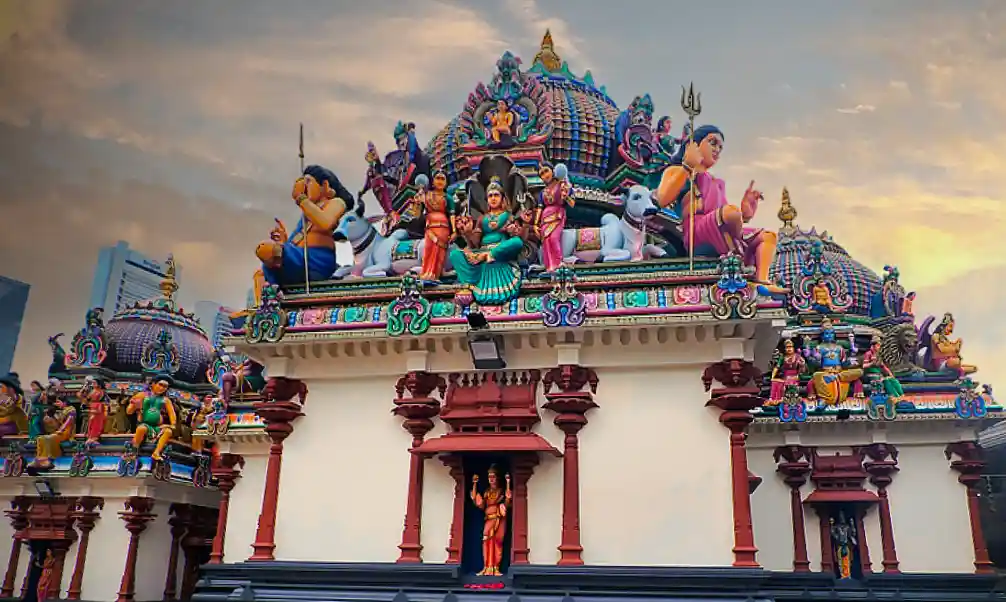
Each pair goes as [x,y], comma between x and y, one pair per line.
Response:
[86,514]
[418,410]
[59,549]
[571,404]
[456,466]
[137,515]
[179,523]
[881,462]
[736,398]
[795,468]
[18,515]
[278,415]
[969,465]
[523,467]
[865,564]
[227,470]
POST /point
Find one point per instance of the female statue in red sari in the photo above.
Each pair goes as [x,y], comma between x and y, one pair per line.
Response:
[495,502]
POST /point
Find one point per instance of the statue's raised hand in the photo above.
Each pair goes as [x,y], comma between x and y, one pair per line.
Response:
[464,224]
[693,156]
[752,196]
[279,233]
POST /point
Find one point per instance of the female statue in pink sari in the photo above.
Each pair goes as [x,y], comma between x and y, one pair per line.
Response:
[550,218]
[720,228]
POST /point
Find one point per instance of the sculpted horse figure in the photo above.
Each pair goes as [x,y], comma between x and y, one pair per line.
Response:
[376,255]
[617,239]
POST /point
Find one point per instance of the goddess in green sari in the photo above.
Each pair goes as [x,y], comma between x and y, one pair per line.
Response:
[489,262]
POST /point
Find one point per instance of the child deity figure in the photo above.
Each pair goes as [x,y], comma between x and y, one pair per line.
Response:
[151,409]
[495,501]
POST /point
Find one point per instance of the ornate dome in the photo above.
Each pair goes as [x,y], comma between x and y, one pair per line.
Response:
[794,249]
[157,337]
[569,116]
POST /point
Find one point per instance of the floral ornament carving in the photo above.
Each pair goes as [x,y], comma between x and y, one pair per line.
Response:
[161,355]
[732,297]
[410,313]
[970,403]
[563,306]
[88,348]
[268,323]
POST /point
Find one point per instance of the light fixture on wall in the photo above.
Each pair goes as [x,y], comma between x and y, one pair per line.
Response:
[485,346]
[45,489]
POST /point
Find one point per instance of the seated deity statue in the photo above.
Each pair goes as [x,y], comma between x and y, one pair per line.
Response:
[830,384]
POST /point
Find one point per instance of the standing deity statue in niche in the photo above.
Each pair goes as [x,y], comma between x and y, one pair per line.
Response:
[550,216]
[437,207]
[843,543]
[307,254]
[488,260]
[13,420]
[152,408]
[875,371]
[375,182]
[943,353]
[786,373]
[495,502]
[719,228]
[501,121]
[830,383]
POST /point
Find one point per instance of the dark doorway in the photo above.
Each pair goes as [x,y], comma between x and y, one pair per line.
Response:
[471,551]
[39,549]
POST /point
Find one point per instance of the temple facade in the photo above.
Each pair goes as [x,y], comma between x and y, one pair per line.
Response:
[562,365]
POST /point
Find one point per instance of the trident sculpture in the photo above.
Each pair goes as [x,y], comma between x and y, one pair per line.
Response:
[691,104]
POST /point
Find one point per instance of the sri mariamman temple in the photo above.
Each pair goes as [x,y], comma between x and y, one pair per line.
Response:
[561,366]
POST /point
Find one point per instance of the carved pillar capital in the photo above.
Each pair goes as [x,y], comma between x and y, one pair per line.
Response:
[137,515]
[880,460]
[794,463]
[87,513]
[418,407]
[570,390]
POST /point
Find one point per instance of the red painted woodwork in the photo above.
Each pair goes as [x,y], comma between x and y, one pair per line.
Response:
[18,514]
[522,466]
[226,469]
[179,523]
[278,413]
[86,513]
[827,553]
[570,402]
[136,515]
[51,519]
[418,410]
[457,471]
[839,479]
[59,548]
[881,463]
[736,398]
[969,465]
[865,564]
[795,467]
[196,546]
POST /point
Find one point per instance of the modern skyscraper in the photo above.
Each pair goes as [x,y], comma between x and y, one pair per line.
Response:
[124,276]
[215,320]
[13,300]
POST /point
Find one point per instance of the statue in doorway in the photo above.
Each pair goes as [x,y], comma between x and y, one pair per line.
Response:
[45,579]
[495,502]
[843,542]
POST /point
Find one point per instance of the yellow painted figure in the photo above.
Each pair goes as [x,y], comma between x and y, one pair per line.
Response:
[946,351]
[13,420]
[151,408]
[502,121]
[61,428]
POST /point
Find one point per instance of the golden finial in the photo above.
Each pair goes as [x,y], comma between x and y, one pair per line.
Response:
[546,54]
[787,213]
[169,286]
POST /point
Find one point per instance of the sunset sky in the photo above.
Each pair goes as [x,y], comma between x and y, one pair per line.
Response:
[173,125]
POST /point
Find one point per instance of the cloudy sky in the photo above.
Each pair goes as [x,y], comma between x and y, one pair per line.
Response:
[173,125]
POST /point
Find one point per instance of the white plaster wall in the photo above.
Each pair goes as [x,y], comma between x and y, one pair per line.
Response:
[106,554]
[544,499]
[153,554]
[345,476]
[930,514]
[655,473]
[246,501]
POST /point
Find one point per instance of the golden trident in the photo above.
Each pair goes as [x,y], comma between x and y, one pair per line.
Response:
[691,104]
[305,223]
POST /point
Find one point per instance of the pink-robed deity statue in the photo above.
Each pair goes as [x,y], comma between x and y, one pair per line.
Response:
[550,218]
[786,372]
[720,228]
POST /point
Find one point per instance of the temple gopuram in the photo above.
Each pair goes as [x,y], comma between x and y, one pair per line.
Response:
[554,311]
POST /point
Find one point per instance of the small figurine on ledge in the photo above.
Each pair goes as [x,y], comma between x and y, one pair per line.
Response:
[786,373]
[550,216]
[830,383]
[877,372]
[151,408]
[439,232]
[495,502]
[13,420]
[501,122]
[93,397]
[62,427]
[821,301]
[943,353]
[308,254]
